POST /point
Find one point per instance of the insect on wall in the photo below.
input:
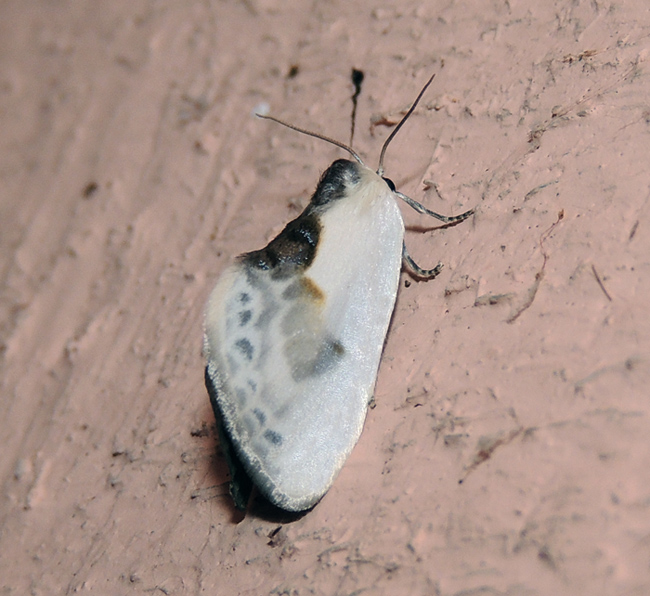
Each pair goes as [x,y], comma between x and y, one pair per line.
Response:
[294,332]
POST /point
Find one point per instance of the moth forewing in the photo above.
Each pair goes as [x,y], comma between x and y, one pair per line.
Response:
[294,350]
[294,333]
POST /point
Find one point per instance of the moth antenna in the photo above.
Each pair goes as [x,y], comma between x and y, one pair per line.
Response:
[316,135]
[380,169]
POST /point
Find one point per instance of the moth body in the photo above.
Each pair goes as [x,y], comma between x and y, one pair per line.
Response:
[294,333]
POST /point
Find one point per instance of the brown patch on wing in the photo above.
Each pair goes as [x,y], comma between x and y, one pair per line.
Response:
[312,290]
[305,288]
[292,251]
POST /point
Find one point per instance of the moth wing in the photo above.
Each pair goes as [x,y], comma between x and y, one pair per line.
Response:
[293,359]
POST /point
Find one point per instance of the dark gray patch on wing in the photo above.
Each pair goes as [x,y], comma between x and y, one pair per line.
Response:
[329,355]
[309,358]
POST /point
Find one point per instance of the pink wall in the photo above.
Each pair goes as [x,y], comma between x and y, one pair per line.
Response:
[132,172]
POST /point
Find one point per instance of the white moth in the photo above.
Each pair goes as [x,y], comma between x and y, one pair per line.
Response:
[294,333]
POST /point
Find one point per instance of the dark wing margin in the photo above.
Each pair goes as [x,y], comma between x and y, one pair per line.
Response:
[241,486]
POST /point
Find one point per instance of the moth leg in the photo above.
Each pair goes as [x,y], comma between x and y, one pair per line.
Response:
[422,209]
[426,274]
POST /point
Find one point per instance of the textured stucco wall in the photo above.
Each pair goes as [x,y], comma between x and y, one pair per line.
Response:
[132,171]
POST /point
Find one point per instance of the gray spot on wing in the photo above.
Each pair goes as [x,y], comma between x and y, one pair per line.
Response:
[245,347]
[233,365]
[249,425]
[242,396]
[310,351]
[245,316]
[329,355]
[315,361]
[267,315]
[272,437]
[293,291]
[261,416]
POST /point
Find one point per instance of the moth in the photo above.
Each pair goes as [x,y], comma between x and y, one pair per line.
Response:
[294,332]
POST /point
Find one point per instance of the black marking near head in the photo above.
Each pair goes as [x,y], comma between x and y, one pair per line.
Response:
[293,249]
[390,183]
[336,182]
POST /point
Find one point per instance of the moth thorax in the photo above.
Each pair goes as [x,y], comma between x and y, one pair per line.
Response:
[371,188]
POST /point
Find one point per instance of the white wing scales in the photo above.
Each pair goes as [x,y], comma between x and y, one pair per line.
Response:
[294,333]
[293,353]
